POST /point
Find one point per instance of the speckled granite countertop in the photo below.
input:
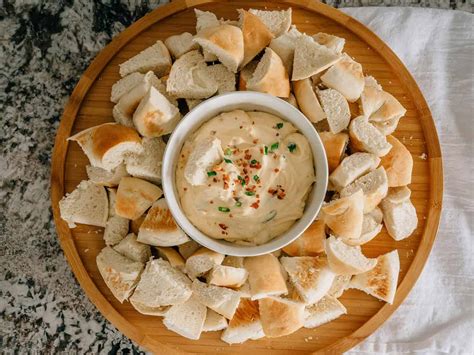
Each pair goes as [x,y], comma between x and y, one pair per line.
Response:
[44,48]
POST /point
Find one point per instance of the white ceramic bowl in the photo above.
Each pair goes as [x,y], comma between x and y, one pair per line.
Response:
[248,101]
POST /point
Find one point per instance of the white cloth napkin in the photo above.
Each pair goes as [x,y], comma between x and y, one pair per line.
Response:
[437,46]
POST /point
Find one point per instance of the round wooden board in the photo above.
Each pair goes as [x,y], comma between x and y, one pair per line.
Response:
[89,105]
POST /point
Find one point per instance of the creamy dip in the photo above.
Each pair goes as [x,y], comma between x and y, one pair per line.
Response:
[245,176]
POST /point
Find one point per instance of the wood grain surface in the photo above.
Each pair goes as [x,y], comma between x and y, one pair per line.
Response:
[89,105]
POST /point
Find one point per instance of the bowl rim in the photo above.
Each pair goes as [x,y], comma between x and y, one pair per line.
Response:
[247,101]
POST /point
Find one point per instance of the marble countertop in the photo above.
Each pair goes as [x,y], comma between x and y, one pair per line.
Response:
[44,48]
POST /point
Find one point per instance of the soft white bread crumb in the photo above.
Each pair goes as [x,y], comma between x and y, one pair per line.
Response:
[87,204]
[135,196]
[280,317]
[398,163]
[245,324]
[205,19]
[159,227]
[339,285]
[201,261]
[155,58]
[224,77]
[307,100]
[120,274]
[205,154]
[336,108]
[330,41]
[130,248]
[116,229]
[365,137]
[124,85]
[371,227]
[214,322]
[220,299]
[326,310]
[180,44]
[353,167]
[227,276]
[103,177]
[147,165]
[284,46]
[399,218]
[265,276]
[278,22]
[186,319]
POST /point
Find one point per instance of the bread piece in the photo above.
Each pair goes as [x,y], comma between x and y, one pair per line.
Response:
[107,145]
[325,311]
[124,85]
[399,218]
[147,165]
[172,256]
[187,249]
[233,261]
[159,227]
[120,274]
[226,42]
[136,223]
[227,276]
[256,35]
[135,196]
[155,116]
[311,276]
[214,322]
[205,154]
[339,285]
[398,163]
[345,76]
[374,185]
[265,276]
[292,100]
[330,41]
[116,229]
[192,103]
[180,44]
[390,109]
[336,108]
[371,226]
[270,76]
[335,146]
[353,167]
[246,73]
[245,324]
[188,78]
[284,46]
[161,285]
[307,100]
[206,19]
[278,22]
[87,204]
[280,317]
[372,97]
[130,248]
[103,177]
[220,299]
[381,281]
[186,319]
[311,58]
[201,261]
[346,260]
[150,311]
[155,58]
[310,243]
[224,77]
[344,216]
[365,137]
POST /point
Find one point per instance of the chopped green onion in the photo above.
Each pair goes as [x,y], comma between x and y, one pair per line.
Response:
[249,193]
[211,173]
[253,161]
[238,204]
[241,179]
[291,147]
[228,161]
[256,178]
[265,150]
[274,146]
[279,125]
[228,151]
[224,209]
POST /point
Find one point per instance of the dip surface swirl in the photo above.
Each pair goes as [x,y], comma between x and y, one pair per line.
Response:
[245,176]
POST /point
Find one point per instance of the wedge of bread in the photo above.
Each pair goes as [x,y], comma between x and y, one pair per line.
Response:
[135,196]
[365,137]
[381,281]
[171,256]
[181,44]
[307,100]
[158,311]
[372,97]
[187,319]
[120,274]
[107,145]
[159,227]
[339,285]
[87,204]
[278,22]
[130,248]
[246,73]
[224,77]
[116,229]
[399,214]
[284,46]
[353,167]
[124,85]
[147,165]
[371,227]
[155,58]
[204,155]
[245,324]
[311,276]
[192,103]
[214,322]
[234,261]
[270,76]
[202,261]
[330,41]
[280,317]
[310,243]
[334,146]
[220,299]
[227,276]
[322,312]
[336,108]
[345,259]
[103,177]
[390,109]
[398,163]
[187,249]
[136,223]
[206,19]
[265,276]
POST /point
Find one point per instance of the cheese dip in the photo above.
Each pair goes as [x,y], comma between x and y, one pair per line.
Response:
[245,176]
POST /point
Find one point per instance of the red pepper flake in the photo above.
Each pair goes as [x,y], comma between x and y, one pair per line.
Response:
[276,170]
[277,134]
[253,122]
[245,165]
[281,195]
[223,226]
[255,204]
[225,177]
[257,165]
[226,185]
[245,171]
[246,179]
[241,127]
[248,156]
[209,185]
[211,202]
[272,192]
[255,141]
[185,189]
[230,216]
[182,155]
[257,195]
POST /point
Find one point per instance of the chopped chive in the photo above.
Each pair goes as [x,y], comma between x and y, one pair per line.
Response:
[253,161]
[228,151]
[274,146]
[279,125]
[224,209]
[228,161]
[265,150]
[211,173]
[242,180]
[291,147]
[249,193]
[238,204]
[256,178]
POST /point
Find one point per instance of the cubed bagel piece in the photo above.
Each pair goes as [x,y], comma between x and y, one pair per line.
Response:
[330,41]
[161,285]
[307,100]
[119,273]
[104,177]
[398,163]
[155,116]
[246,73]
[147,165]
[310,243]
[115,230]
[159,227]
[220,299]
[108,144]
[135,196]
[130,248]
[265,276]
[172,256]
[381,281]
[280,317]
[311,58]
[336,108]
[155,58]
[124,85]
[270,76]
[256,35]
[322,312]
[214,322]
[399,215]
[284,46]
[365,137]
[345,259]
[227,276]
[226,42]
[334,146]
[186,319]
[353,167]
[374,185]
[278,22]
[87,204]
[345,215]
[245,324]
[181,44]
[202,261]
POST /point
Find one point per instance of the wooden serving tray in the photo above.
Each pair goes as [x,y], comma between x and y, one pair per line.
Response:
[89,105]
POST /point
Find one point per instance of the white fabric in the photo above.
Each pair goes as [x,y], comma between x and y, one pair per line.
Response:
[437,46]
